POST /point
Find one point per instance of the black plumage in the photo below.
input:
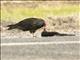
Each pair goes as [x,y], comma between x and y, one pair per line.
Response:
[29,24]
[48,34]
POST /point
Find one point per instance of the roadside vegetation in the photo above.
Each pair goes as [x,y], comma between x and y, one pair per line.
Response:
[18,11]
[60,16]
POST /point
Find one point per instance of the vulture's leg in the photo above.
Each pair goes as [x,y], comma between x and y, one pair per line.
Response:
[32,32]
[33,35]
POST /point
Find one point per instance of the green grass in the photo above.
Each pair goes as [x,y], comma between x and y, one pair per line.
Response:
[19,13]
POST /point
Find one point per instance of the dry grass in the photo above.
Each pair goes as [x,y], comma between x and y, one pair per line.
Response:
[12,11]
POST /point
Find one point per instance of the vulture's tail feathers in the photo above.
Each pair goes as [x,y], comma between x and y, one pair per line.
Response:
[11,27]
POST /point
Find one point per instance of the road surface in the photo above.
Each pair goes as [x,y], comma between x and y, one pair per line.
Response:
[50,48]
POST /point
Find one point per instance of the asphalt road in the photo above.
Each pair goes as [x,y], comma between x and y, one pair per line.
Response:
[50,48]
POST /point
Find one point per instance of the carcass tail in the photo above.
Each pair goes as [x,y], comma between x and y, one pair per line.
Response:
[66,35]
[11,27]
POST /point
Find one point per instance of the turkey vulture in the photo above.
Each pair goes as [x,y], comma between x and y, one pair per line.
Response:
[47,34]
[29,24]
